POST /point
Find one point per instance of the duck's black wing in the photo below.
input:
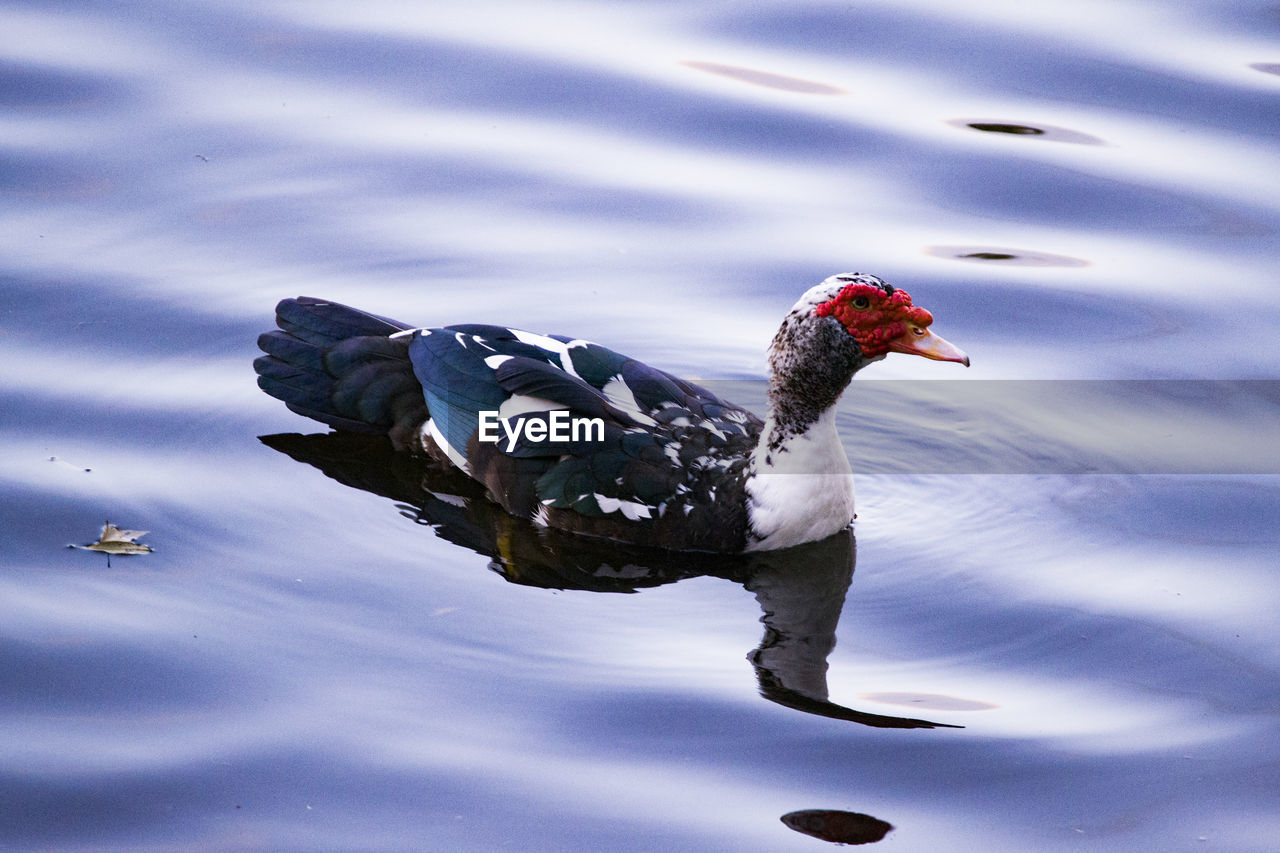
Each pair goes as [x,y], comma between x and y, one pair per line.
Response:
[576,436]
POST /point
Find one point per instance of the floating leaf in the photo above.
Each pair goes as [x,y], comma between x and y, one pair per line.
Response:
[116,541]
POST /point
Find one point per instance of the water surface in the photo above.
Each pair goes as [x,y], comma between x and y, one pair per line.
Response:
[1080,192]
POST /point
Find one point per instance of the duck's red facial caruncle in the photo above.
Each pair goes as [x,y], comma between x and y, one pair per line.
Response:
[884,322]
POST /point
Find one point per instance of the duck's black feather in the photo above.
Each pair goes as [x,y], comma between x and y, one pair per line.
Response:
[339,366]
[323,323]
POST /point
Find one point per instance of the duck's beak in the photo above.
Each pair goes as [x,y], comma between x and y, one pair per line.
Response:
[918,340]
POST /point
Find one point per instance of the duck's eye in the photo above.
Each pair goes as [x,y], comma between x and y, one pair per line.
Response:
[861,303]
[917,331]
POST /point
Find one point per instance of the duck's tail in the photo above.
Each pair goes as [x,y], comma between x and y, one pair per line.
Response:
[341,367]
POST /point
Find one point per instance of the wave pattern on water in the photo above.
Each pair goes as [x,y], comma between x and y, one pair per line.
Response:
[1080,192]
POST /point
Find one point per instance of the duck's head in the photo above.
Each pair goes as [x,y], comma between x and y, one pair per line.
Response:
[879,317]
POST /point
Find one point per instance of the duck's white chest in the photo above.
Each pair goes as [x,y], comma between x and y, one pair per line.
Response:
[801,492]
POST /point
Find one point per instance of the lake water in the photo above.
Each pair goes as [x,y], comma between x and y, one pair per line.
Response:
[1075,580]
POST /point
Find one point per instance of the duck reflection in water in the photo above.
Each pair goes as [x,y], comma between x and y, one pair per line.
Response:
[801,589]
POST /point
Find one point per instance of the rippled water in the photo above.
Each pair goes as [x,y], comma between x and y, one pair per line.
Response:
[1078,191]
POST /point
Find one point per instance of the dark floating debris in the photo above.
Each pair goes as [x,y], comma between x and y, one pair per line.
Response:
[837,826]
[764,78]
[1017,129]
[1000,255]
[1047,132]
[64,463]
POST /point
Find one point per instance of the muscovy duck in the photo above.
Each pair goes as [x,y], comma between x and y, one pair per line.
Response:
[658,461]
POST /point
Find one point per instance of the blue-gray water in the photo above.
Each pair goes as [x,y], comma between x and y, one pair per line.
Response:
[300,665]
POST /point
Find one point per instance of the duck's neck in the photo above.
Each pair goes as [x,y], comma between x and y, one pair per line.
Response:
[799,485]
[811,361]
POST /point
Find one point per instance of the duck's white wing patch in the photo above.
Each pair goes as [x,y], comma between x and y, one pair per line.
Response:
[560,348]
[621,395]
[430,432]
[632,510]
[493,362]
[520,404]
